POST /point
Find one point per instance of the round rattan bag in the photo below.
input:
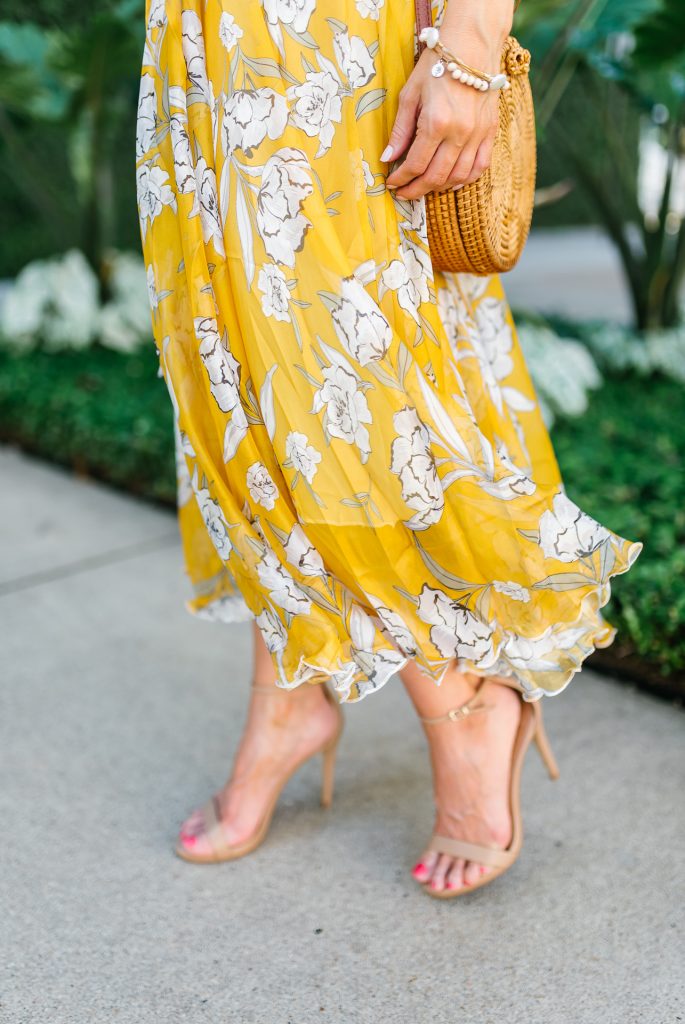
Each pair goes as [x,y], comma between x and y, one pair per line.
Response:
[482,228]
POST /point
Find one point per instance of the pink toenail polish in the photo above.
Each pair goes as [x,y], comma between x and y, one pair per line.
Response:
[189,840]
[418,867]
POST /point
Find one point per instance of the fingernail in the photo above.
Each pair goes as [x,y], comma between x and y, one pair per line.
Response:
[386,154]
[455,187]
[390,186]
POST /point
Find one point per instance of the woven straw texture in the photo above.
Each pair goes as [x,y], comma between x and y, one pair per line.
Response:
[482,227]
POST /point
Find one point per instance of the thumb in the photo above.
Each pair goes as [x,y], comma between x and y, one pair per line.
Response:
[403,129]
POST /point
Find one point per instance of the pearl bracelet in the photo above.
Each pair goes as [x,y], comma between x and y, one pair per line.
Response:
[457,68]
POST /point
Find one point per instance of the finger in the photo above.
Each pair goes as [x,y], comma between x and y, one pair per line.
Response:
[483,158]
[436,175]
[416,161]
[463,166]
[404,127]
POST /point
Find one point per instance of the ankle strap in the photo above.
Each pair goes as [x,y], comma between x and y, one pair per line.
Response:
[279,691]
[273,691]
[455,714]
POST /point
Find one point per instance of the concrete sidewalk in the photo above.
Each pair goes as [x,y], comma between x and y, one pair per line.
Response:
[119,711]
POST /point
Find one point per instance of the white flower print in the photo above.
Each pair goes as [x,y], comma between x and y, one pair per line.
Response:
[286,183]
[275,292]
[260,485]
[568,534]
[452,314]
[361,172]
[532,653]
[302,455]
[376,664]
[395,627]
[222,368]
[146,123]
[152,288]
[359,322]
[207,199]
[193,46]
[354,59]
[250,116]
[229,31]
[369,8]
[301,553]
[157,15]
[291,12]
[153,193]
[272,629]
[513,484]
[492,342]
[346,407]
[413,462]
[408,278]
[184,171]
[455,631]
[316,105]
[213,517]
[282,588]
[512,590]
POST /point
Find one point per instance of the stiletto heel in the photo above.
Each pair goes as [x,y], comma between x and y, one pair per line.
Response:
[543,745]
[530,727]
[328,773]
[213,829]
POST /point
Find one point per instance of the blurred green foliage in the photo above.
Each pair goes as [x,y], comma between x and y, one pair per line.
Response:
[68,95]
[624,464]
[608,76]
[104,414]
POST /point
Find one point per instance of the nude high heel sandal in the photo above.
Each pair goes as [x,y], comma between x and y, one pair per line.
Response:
[530,728]
[212,827]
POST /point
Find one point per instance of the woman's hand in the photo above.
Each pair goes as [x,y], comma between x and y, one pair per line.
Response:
[447,127]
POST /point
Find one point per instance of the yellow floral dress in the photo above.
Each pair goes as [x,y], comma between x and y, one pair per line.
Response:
[362,463]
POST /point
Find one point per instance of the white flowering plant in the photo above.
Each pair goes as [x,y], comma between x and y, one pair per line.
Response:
[56,303]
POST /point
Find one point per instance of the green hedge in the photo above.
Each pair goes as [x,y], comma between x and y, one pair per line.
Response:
[97,411]
[107,414]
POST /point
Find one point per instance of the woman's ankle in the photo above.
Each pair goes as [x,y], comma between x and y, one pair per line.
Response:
[431,699]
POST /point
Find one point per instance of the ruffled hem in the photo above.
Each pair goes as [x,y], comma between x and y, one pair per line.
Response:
[597,633]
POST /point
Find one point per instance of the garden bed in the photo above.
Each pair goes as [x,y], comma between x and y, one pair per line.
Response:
[105,414]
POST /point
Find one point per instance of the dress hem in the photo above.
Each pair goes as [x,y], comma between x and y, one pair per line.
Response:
[232,609]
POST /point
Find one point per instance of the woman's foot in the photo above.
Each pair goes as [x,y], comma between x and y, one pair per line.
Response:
[283,728]
[471,762]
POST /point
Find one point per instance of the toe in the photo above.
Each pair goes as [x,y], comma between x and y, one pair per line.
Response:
[472,872]
[423,871]
[440,871]
[191,835]
[455,878]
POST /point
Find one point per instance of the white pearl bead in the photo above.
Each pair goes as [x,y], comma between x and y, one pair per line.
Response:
[451,66]
[498,82]
[456,75]
[429,36]
[463,76]
[470,80]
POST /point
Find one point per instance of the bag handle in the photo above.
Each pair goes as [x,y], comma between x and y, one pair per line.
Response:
[424,19]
